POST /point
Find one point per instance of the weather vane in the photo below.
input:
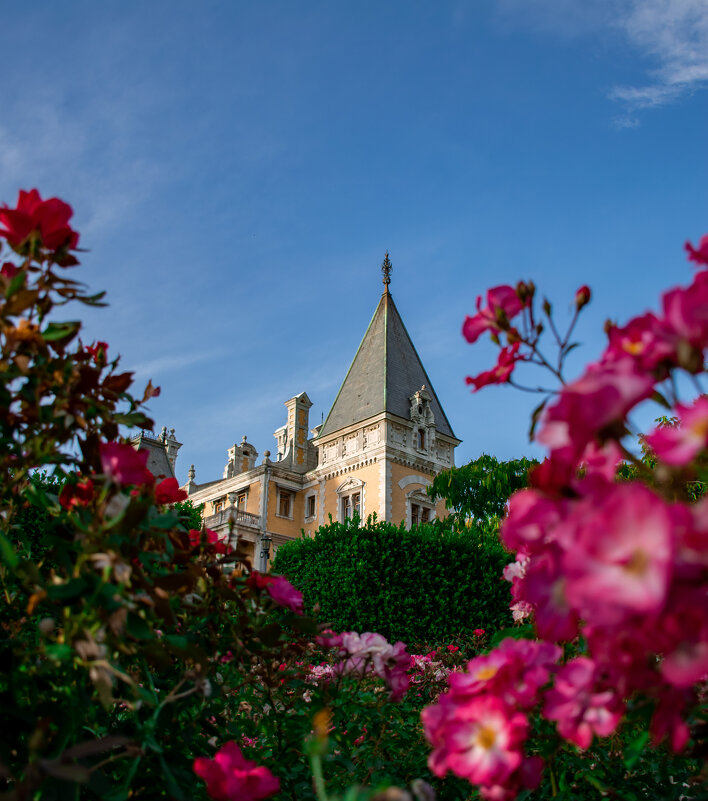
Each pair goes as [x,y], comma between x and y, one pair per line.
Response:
[386,270]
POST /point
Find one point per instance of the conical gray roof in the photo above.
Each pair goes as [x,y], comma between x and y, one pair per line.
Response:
[385,372]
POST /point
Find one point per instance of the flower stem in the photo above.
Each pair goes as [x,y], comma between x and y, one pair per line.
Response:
[317,777]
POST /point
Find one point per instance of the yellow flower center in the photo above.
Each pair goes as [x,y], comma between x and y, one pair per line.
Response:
[634,347]
[638,563]
[486,737]
[700,428]
[487,672]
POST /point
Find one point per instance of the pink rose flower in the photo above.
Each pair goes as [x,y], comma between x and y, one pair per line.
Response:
[501,372]
[279,589]
[601,397]
[680,444]
[686,311]
[514,671]
[231,777]
[372,652]
[698,255]
[502,305]
[479,632]
[668,721]
[479,740]
[646,339]
[124,464]
[602,460]
[530,521]
[579,707]
[619,558]
[543,587]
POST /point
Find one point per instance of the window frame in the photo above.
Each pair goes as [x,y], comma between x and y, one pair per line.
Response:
[289,495]
[310,500]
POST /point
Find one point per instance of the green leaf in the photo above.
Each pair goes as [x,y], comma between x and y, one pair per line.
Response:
[92,300]
[633,750]
[517,633]
[131,419]
[535,417]
[7,552]
[270,634]
[55,332]
[172,786]
[15,284]
[70,589]
[138,628]
[177,641]
[657,397]
[166,521]
[59,652]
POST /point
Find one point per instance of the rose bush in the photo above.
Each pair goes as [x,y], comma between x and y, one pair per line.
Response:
[617,573]
[114,619]
[141,656]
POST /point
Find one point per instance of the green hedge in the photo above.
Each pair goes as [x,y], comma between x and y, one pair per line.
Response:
[428,585]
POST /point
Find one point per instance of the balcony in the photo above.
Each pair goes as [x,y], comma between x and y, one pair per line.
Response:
[241,518]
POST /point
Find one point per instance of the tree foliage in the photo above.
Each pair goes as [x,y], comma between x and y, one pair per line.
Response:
[479,491]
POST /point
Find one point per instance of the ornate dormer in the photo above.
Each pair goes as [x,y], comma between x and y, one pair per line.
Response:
[242,457]
[423,420]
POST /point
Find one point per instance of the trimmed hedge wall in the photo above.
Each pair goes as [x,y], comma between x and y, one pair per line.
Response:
[428,585]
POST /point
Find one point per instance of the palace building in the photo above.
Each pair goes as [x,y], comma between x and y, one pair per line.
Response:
[383,441]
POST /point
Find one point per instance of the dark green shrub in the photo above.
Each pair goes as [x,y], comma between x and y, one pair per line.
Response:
[426,585]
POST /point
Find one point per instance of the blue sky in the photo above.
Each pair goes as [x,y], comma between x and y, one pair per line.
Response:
[238,170]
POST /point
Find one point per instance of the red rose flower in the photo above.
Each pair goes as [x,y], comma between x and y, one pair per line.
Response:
[98,351]
[168,491]
[48,218]
[9,270]
[79,494]
[212,538]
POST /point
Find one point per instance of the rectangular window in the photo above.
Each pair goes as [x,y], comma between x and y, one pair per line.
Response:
[241,501]
[310,507]
[218,506]
[285,500]
[421,439]
[351,505]
[425,515]
[415,514]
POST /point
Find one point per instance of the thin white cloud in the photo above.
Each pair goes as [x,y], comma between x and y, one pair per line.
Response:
[674,33]
[165,364]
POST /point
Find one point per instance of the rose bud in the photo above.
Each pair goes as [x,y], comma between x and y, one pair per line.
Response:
[582,297]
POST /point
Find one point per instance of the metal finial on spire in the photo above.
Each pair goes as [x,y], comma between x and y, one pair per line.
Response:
[386,270]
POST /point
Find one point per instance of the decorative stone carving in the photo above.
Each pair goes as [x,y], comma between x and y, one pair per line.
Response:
[421,412]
